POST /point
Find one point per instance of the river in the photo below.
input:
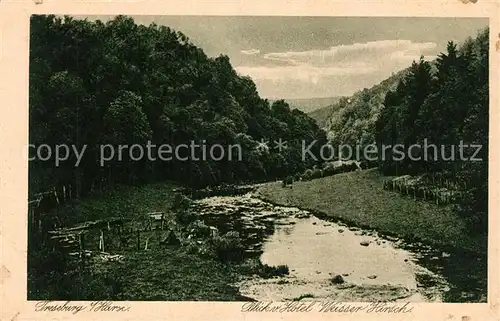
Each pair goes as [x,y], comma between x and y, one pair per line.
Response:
[366,266]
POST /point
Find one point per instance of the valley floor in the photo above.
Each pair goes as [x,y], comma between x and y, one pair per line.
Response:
[175,273]
[359,198]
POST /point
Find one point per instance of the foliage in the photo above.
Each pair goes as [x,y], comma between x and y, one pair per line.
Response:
[117,82]
[288,181]
[225,248]
[444,102]
[254,266]
[446,107]
[351,120]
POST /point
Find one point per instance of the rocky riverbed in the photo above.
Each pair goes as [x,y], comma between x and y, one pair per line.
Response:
[326,260]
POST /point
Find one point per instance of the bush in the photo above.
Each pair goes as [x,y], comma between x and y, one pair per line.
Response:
[287,181]
[254,266]
[317,173]
[181,202]
[193,248]
[329,170]
[307,175]
[181,205]
[267,271]
[227,248]
[185,217]
[473,208]
[199,229]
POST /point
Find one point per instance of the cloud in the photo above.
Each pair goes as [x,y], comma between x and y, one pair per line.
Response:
[306,73]
[250,52]
[352,52]
[336,66]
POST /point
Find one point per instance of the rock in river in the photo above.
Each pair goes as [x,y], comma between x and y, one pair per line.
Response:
[364,243]
[337,279]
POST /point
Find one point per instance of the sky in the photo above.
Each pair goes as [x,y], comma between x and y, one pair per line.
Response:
[306,57]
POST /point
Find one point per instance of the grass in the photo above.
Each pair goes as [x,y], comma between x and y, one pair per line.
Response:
[156,275]
[160,273]
[122,201]
[173,275]
[358,198]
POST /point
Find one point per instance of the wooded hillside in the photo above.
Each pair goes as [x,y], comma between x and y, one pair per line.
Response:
[95,83]
[446,107]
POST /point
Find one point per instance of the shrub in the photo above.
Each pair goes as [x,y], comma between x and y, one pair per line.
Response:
[268,271]
[317,173]
[472,207]
[228,247]
[193,248]
[199,229]
[181,202]
[185,217]
[287,181]
[181,205]
[329,170]
[255,266]
[307,175]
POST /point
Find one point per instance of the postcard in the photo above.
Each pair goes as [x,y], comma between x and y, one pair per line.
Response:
[250,160]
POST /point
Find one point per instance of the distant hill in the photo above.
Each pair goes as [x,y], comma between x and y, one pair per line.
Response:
[308,105]
[322,114]
[353,118]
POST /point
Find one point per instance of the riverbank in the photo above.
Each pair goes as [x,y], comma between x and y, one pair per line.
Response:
[156,271]
[192,269]
[358,198]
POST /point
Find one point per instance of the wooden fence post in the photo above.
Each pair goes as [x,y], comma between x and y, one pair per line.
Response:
[101,241]
[82,246]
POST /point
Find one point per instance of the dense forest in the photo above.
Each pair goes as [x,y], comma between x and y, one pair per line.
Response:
[445,103]
[352,119]
[95,83]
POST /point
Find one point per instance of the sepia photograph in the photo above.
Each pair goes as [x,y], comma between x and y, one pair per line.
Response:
[258,158]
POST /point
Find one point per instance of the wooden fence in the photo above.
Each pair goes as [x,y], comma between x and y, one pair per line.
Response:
[118,235]
[42,210]
[433,188]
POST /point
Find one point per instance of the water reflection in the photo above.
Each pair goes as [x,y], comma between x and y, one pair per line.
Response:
[373,267]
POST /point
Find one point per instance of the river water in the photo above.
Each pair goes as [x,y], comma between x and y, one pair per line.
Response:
[372,267]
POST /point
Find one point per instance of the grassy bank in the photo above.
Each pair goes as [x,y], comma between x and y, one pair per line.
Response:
[121,201]
[165,274]
[359,198]
[188,271]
